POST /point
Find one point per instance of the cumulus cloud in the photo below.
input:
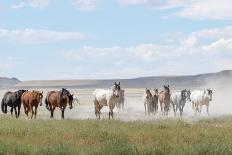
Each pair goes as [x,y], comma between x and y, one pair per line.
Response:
[201,51]
[38,36]
[192,9]
[86,5]
[31,3]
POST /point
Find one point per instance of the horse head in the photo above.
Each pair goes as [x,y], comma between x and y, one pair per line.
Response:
[19,93]
[156,92]
[148,93]
[70,100]
[66,93]
[185,94]
[39,96]
[167,89]
[116,89]
[210,94]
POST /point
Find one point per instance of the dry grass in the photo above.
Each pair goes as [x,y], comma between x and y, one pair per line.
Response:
[207,136]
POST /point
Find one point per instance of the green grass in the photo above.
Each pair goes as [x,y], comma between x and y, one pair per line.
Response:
[207,136]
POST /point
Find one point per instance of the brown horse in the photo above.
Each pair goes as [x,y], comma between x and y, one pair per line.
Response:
[155,98]
[58,99]
[147,100]
[30,100]
[164,99]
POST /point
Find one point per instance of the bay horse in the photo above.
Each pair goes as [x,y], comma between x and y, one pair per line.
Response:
[30,100]
[147,100]
[13,100]
[58,99]
[107,97]
[164,99]
[200,98]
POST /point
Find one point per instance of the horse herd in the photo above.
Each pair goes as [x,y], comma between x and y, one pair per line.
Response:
[32,99]
[176,99]
[111,97]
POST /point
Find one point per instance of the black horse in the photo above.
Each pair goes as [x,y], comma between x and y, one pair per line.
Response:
[13,100]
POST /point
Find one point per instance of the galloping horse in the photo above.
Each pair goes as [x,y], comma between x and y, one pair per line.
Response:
[200,98]
[58,99]
[121,99]
[30,100]
[147,100]
[155,98]
[107,97]
[178,100]
[13,100]
[164,99]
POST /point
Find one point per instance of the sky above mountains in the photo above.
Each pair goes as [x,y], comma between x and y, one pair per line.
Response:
[89,39]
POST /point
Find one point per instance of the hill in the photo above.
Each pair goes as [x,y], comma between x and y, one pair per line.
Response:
[223,78]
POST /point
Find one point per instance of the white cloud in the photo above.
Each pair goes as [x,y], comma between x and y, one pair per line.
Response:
[86,5]
[31,3]
[200,51]
[192,9]
[207,9]
[38,36]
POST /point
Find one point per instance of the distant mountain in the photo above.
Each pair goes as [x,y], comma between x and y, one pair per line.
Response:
[223,78]
[8,82]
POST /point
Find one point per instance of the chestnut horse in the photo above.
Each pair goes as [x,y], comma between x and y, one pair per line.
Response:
[30,100]
[164,99]
[58,99]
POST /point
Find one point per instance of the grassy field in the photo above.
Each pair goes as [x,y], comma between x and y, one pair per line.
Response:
[161,136]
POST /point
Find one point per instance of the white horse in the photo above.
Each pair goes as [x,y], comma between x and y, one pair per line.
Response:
[107,97]
[147,100]
[178,100]
[200,98]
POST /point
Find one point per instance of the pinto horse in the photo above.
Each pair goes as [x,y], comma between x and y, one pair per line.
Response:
[30,100]
[13,100]
[164,99]
[107,97]
[58,99]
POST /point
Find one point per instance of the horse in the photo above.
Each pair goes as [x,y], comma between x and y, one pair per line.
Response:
[164,99]
[154,105]
[147,100]
[58,99]
[30,100]
[200,98]
[121,99]
[178,100]
[13,100]
[107,97]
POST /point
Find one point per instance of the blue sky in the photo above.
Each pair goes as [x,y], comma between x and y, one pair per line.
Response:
[102,39]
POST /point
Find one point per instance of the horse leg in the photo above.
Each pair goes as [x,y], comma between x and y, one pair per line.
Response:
[207,106]
[11,111]
[52,112]
[62,110]
[19,107]
[174,109]
[15,112]
[200,108]
[32,111]
[35,111]
[145,107]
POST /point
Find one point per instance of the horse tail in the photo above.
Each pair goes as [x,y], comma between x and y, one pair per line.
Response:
[3,106]
[46,103]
